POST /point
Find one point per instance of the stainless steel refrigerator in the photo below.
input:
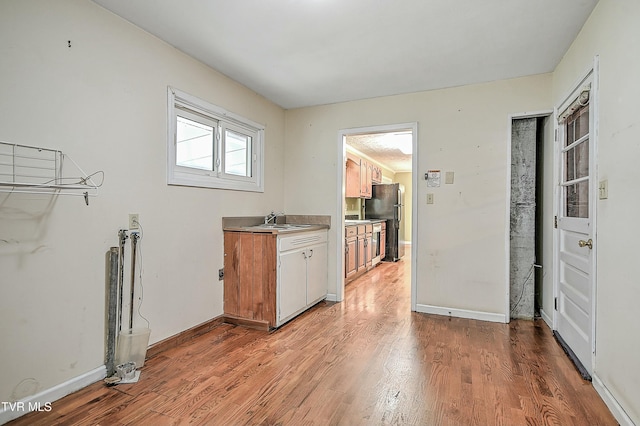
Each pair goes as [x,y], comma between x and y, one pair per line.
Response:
[387,203]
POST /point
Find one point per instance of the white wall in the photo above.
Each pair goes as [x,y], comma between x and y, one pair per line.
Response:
[461,238]
[103,102]
[613,33]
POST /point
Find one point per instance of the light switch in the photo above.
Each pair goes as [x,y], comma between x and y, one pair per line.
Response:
[603,190]
[429,198]
[448,178]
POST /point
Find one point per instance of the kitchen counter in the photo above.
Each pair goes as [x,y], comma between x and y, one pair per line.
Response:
[286,224]
[362,222]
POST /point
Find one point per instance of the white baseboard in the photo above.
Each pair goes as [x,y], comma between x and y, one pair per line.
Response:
[331,297]
[43,401]
[616,409]
[460,313]
[546,318]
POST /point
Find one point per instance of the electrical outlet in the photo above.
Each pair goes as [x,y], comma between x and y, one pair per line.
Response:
[430,198]
[134,221]
[220,274]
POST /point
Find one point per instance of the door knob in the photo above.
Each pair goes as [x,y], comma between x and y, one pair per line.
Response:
[588,243]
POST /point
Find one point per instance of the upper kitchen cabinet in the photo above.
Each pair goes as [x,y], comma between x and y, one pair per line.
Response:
[352,177]
[360,174]
[376,174]
[365,178]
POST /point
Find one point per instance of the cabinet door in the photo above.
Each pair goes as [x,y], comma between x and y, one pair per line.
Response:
[351,257]
[383,242]
[364,183]
[292,292]
[362,248]
[368,249]
[352,178]
[316,273]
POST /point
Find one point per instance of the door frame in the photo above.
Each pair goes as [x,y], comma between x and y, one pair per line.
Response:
[592,75]
[341,159]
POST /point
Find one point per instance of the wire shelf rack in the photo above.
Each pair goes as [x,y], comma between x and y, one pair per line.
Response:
[36,170]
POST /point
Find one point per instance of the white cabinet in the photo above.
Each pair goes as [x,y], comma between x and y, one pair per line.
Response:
[316,273]
[302,273]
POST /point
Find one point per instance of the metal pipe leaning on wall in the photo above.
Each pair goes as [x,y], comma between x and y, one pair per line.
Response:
[112,309]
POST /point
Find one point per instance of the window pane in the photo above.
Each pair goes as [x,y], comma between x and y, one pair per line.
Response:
[194,144]
[570,133]
[237,154]
[577,199]
[582,122]
[577,161]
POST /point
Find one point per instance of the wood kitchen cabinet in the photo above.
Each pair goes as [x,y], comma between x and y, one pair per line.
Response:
[353,185]
[360,175]
[376,174]
[270,278]
[366,171]
[358,250]
[351,252]
[250,278]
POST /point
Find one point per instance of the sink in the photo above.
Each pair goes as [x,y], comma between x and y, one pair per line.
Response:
[280,226]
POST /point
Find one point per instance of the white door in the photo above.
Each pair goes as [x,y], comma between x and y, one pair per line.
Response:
[574,248]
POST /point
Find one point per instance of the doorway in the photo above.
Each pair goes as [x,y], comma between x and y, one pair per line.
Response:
[525,213]
[386,147]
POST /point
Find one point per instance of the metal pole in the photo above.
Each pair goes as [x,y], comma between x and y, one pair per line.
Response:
[134,245]
[112,292]
[123,237]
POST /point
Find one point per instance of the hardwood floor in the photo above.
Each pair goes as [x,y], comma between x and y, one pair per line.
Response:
[366,361]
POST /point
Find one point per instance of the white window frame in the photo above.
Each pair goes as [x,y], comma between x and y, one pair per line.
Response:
[187,176]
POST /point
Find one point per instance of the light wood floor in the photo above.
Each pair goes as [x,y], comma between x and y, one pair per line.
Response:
[366,361]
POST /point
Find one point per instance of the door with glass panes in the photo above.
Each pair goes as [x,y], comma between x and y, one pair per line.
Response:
[574,250]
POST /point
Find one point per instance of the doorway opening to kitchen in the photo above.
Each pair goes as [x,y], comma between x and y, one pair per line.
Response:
[376,199]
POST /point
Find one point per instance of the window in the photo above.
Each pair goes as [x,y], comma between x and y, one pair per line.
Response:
[211,147]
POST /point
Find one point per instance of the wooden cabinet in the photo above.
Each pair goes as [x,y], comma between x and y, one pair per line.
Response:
[352,177]
[366,171]
[271,278]
[358,250]
[376,174]
[350,252]
[250,278]
[360,174]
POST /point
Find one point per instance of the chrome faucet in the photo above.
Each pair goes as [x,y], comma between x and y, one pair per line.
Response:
[272,217]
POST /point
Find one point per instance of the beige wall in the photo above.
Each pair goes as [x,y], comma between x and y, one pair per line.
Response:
[103,101]
[462,237]
[613,33]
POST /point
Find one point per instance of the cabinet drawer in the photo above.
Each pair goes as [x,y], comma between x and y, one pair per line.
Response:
[368,229]
[361,229]
[301,240]
[351,231]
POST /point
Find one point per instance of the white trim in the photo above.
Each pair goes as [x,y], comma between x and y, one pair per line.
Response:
[507,238]
[341,192]
[332,297]
[216,179]
[460,313]
[48,396]
[546,318]
[614,406]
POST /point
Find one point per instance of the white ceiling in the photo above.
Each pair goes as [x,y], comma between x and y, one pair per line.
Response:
[300,53]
